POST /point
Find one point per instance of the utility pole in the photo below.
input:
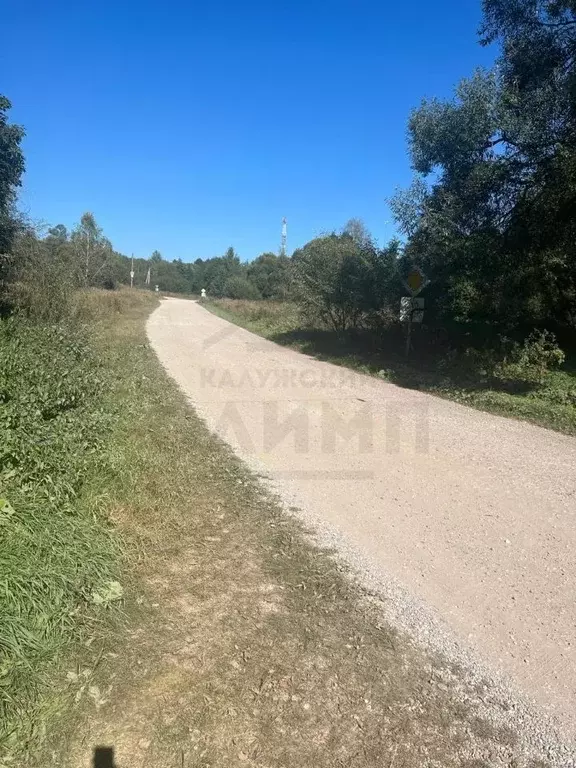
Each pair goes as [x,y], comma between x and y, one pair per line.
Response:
[132,272]
[284,237]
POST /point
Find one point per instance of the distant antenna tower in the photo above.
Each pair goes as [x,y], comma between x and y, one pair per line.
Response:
[284,237]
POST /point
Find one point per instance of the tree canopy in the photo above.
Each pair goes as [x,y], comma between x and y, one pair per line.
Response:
[490,217]
[11,170]
[343,280]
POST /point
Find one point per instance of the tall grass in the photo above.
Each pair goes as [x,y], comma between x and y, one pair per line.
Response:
[263,316]
[58,554]
[95,305]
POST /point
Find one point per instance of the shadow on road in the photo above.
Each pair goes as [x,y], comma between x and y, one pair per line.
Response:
[104,758]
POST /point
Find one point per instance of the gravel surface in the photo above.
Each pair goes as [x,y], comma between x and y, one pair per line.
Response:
[462,521]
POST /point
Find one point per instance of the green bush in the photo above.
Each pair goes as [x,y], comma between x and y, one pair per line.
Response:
[508,360]
[531,360]
[342,282]
[42,279]
[238,287]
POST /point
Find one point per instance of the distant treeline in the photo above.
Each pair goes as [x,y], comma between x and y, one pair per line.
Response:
[490,218]
[40,272]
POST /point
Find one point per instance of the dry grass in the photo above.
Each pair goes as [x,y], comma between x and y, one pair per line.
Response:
[93,304]
[247,646]
[264,317]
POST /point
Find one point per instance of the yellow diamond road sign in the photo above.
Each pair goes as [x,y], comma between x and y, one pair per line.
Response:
[415,281]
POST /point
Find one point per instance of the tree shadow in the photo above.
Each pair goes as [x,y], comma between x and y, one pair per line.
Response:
[429,366]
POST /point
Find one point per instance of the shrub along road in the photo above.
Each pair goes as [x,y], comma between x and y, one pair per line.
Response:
[474,513]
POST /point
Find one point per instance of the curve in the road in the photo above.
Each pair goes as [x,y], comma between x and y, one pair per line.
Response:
[474,513]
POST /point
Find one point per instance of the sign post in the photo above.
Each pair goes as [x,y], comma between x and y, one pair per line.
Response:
[412,308]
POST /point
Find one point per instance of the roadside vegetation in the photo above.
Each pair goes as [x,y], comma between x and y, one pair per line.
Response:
[57,553]
[522,381]
[62,562]
[60,558]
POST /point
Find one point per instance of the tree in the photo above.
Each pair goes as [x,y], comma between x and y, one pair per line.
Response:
[490,218]
[11,170]
[358,231]
[43,277]
[238,287]
[217,271]
[58,234]
[341,281]
[270,274]
[538,75]
[92,249]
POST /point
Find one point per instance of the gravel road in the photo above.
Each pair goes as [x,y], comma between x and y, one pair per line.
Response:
[473,515]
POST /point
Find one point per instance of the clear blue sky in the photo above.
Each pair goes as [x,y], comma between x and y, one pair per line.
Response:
[191,126]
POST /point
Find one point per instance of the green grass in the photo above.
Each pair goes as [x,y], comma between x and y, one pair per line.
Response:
[59,557]
[551,404]
[267,318]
